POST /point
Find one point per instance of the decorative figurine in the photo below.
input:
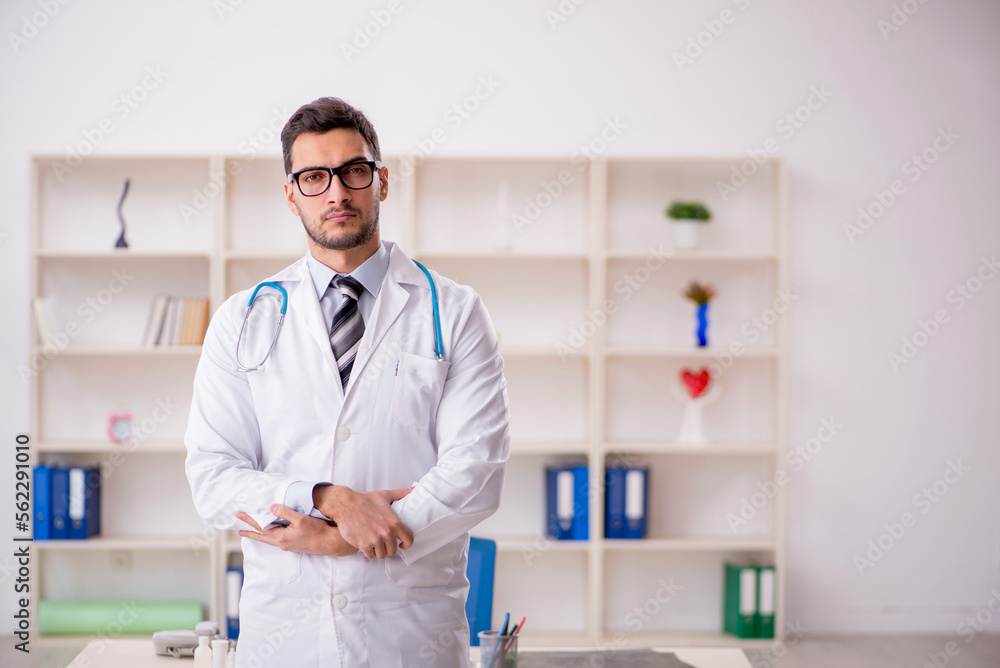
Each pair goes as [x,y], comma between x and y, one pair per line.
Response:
[696,390]
[121,243]
[700,294]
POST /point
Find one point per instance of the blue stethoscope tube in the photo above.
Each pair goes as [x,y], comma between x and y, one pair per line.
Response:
[438,345]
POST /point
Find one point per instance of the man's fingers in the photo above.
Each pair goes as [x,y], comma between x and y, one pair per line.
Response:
[397,494]
[405,536]
[286,513]
[243,517]
[259,537]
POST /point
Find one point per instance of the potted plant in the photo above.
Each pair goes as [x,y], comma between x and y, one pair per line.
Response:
[687,217]
[700,294]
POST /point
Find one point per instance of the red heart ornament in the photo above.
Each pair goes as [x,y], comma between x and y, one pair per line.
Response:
[697,384]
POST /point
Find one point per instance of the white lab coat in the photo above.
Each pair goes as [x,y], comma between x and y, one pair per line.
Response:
[406,418]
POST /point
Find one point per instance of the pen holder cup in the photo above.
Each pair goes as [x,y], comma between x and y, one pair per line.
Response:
[497,651]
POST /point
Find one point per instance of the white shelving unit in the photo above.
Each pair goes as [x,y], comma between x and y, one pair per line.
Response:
[547,261]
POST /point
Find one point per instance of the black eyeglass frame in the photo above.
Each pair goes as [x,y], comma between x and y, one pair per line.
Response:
[374,164]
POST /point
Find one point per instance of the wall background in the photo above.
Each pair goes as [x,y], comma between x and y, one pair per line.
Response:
[228,69]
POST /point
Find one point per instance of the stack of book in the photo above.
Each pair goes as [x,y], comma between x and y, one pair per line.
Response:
[67,502]
[176,321]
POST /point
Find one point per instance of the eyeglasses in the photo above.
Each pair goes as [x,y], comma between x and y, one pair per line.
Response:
[315,181]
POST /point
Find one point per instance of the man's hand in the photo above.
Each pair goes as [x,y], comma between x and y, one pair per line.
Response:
[365,518]
[305,534]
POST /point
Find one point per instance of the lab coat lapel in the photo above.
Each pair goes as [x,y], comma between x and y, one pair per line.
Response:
[304,303]
[391,300]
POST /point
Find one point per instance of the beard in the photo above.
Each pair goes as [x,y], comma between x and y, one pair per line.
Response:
[331,241]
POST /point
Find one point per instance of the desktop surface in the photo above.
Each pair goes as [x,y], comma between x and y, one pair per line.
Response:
[138,653]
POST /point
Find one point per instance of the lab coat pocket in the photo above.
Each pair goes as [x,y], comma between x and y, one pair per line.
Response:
[417,390]
[433,570]
[269,564]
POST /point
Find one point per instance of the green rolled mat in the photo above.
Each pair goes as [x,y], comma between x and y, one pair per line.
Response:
[114,618]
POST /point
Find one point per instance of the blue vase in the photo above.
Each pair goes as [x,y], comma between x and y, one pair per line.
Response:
[702,325]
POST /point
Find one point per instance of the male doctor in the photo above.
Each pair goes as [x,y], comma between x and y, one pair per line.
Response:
[354,461]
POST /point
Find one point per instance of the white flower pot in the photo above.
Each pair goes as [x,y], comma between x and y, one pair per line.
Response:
[686,233]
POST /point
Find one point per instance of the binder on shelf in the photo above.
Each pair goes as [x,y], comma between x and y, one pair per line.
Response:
[559,503]
[42,479]
[566,502]
[581,510]
[84,502]
[764,620]
[626,502]
[60,503]
[740,600]
[234,584]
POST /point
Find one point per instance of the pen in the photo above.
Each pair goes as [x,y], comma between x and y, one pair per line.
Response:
[496,647]
[517,629]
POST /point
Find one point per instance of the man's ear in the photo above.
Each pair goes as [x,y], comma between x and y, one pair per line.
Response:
[290,198]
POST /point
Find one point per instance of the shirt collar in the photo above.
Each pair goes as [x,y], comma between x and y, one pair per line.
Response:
[370,274]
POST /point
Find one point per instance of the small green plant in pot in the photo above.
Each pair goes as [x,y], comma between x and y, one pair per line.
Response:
[687,218]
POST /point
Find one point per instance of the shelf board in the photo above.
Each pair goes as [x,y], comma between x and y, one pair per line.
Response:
[707,352]
[192,542]
[554,640]
[764,544]
[709,448]
[122,254]
[518,447]
[680,640]
[539,544]
[528,350]
[290,256]
[103,446]
[698,255]
[129,351]
[498,255]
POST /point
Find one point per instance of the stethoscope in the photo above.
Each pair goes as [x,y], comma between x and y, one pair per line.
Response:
[438,346]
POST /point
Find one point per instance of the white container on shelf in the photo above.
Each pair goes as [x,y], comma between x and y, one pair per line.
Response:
[686,233]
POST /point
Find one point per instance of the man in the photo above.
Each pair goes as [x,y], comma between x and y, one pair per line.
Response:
[354,461]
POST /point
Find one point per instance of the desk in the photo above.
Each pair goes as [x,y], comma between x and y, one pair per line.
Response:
[138,653]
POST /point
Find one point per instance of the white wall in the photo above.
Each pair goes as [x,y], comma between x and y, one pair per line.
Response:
[229,76]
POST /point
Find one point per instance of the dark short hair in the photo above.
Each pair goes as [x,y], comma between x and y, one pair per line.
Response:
[323,115]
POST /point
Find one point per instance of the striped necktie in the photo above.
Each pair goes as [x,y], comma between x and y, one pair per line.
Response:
[348,327]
